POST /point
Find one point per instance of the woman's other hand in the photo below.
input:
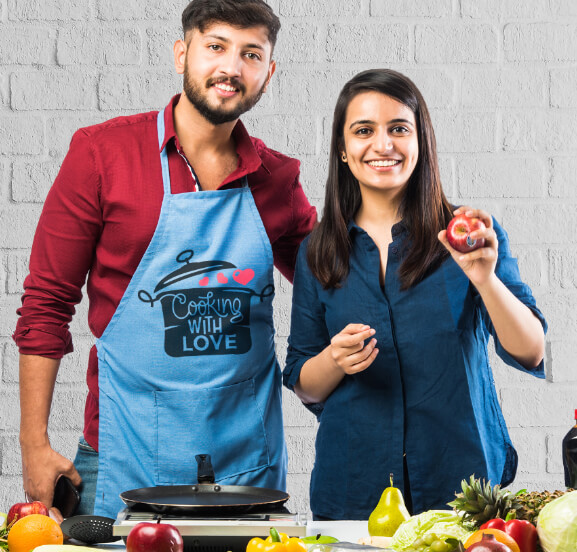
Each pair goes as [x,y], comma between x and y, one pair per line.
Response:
[348,349]
[347,354]
[479,265]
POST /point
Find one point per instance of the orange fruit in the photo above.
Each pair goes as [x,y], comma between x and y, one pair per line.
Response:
[501,536]
[32,531]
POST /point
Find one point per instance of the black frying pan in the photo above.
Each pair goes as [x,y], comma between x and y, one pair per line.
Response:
[205,498]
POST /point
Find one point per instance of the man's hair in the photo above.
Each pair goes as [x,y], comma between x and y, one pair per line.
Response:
[242,14]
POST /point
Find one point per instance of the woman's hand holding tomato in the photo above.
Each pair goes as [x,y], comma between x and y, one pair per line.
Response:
[479,265]
[348,349]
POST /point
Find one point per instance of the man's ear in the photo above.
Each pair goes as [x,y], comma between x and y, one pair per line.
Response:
[271,70]
[179,50]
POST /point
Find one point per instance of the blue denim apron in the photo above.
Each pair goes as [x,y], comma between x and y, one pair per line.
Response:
[187,363]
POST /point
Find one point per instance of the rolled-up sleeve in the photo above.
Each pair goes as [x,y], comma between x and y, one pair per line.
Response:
[61,256]
[309,334]
[507,270]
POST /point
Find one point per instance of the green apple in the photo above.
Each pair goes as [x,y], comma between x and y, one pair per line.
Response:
[314,543]
[3,518]
[319,539]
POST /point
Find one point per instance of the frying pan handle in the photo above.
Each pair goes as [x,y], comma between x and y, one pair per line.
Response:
[205,469]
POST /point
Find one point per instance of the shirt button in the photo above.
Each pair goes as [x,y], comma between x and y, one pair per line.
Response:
[395,250]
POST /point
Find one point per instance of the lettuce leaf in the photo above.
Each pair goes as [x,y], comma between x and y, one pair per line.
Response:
[444,523]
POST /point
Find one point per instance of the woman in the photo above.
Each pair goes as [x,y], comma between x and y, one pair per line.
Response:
[390,325]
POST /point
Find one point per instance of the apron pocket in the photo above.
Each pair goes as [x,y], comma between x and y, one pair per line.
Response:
[224,422]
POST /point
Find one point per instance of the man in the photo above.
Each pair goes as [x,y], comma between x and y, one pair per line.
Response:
[176,219]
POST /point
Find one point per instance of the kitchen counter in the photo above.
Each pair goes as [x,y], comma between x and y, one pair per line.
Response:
[345,530]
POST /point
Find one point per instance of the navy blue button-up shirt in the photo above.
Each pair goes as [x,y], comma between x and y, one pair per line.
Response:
[429,396]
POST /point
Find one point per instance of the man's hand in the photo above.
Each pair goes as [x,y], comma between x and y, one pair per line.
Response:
[41,468]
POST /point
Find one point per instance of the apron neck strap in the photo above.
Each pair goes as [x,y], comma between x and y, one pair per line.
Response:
[163,155]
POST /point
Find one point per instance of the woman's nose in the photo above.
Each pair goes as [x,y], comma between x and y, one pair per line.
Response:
[383,142]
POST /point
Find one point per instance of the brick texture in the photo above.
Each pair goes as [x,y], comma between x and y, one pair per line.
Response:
[499,78]
[497,10]
[21,135]
[550,42]
[42,90]
[349,43]
[142,90]
[49,10]
[31,181]
[431,10]
[4,94]
[496,87]
[87,45]
[21,45]
[456,43]
[562,85]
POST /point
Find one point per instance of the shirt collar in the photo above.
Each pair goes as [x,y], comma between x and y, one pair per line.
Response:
[398,228]
[249,160]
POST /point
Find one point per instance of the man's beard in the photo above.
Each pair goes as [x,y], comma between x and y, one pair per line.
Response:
[218,115]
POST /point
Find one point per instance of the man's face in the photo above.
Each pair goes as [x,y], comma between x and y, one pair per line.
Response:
[226,70]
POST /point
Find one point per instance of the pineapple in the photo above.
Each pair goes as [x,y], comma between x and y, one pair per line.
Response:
[479,502]
[530,504]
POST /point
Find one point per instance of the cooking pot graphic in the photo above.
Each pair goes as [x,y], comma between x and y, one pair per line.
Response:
[205,320]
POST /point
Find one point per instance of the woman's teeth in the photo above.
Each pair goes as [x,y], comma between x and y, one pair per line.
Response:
[383,163]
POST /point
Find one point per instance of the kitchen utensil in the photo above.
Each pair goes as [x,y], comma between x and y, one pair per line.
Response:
[89,529]
[204,498]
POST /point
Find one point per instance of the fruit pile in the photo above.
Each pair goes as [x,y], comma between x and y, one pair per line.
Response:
[479,502]
[511,517]
[27,526]
[485,518]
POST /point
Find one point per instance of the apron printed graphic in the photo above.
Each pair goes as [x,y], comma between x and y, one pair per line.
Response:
[211,319]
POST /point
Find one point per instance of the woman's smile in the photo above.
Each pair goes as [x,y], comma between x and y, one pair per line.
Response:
[383,164]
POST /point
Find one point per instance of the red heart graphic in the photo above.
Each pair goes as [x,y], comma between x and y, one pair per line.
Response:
[222,279]
[243,276]
[204,281]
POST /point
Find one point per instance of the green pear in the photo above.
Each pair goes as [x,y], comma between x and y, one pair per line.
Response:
[389,513]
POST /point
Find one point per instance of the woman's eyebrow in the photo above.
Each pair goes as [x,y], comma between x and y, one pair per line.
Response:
[362,122]
[369,122]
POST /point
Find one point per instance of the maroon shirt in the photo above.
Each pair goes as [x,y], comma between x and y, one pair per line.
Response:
[102,211]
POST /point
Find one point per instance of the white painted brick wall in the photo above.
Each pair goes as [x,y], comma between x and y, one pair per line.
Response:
[500,79]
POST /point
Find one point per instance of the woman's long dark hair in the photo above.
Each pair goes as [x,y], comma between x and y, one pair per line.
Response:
[424,209]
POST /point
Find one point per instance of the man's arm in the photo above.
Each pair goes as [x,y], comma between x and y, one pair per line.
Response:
[303,220]
[41,465]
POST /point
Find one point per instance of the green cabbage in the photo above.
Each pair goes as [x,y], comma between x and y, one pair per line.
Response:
[444,523]
[557,524]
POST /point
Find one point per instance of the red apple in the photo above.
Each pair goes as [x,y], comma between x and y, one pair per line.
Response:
[22,509]
[458,233]
[157,537]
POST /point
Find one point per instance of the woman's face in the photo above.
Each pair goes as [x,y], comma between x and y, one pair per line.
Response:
[381,145]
